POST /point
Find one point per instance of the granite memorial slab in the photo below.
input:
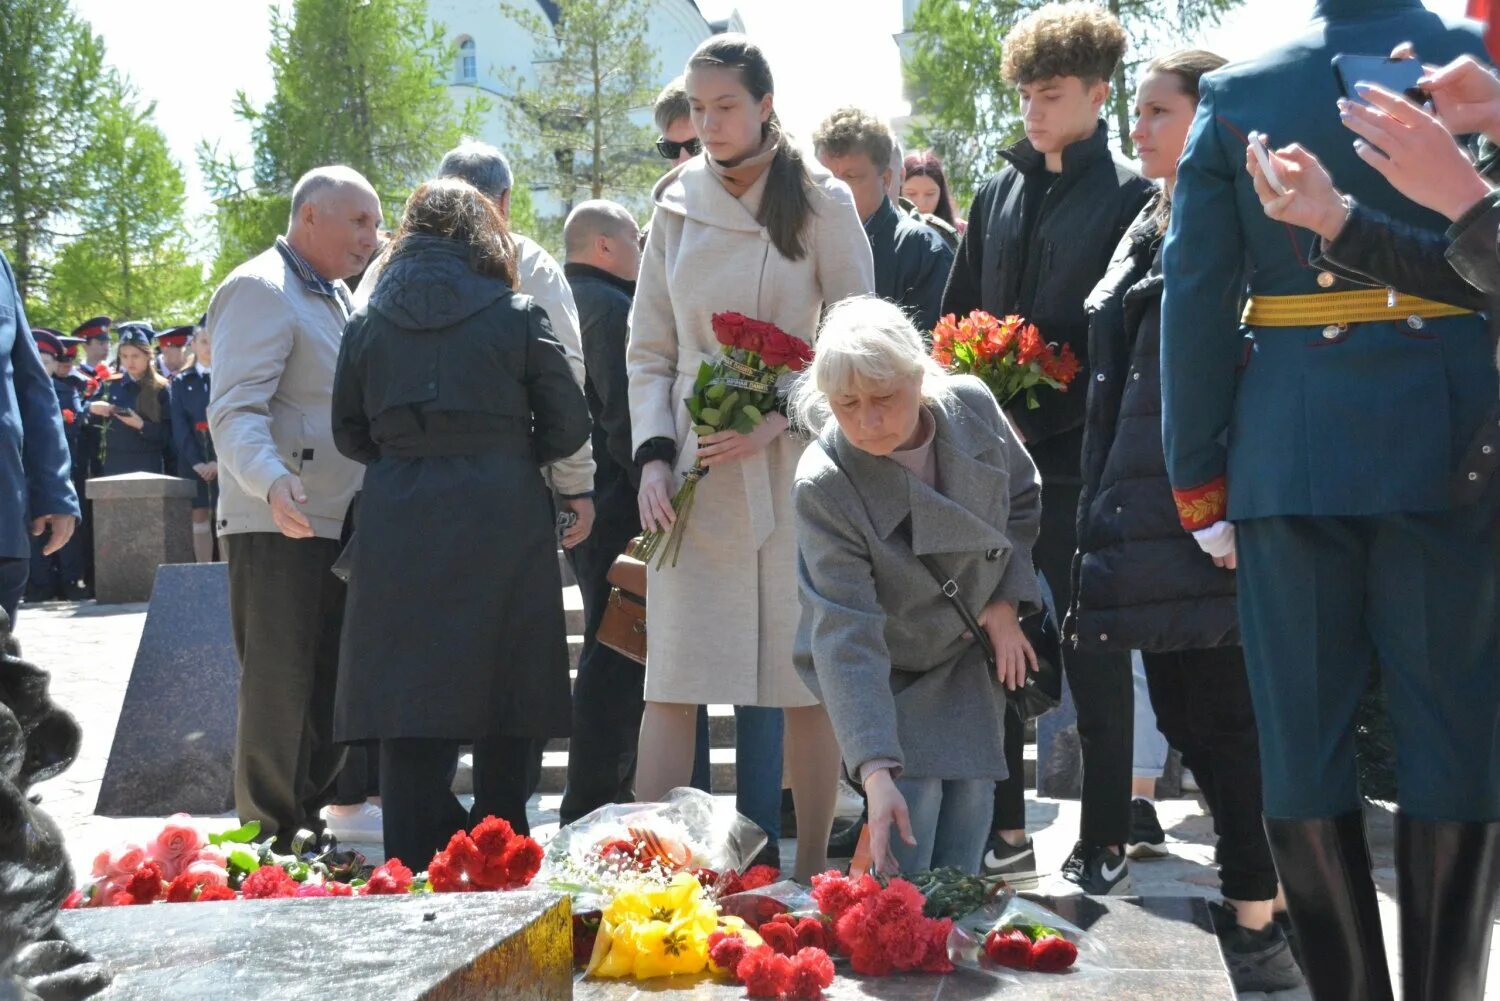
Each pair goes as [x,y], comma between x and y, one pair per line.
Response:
[141,520]
[174,744]
[440,947]
[1160,949]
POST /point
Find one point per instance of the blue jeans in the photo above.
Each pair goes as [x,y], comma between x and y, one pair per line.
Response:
[759,733]
[950,818]
[1150,746]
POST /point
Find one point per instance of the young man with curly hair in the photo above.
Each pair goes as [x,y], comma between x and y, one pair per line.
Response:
[912,260]
[1040,235]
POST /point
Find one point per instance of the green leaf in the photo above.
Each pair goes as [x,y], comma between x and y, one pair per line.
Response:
[695,406]
[705,375]
[239,836]
[715,393]
[755,415]
[243,860]
[743,424]
[710,415]
[703,429]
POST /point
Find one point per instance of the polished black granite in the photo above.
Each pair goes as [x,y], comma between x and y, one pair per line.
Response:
[173,749]
[1161,949]
[441,947]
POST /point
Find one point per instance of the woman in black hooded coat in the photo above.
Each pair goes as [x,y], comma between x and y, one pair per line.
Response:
[452,390]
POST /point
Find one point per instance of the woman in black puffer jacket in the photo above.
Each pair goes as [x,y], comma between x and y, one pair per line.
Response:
[1140,581]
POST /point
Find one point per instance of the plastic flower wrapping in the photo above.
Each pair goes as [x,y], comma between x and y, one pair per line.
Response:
[1017,939]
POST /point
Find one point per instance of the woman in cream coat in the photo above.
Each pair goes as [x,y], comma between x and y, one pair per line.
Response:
[744,227]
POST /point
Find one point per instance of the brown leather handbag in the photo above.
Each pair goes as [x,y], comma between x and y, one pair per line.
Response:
[623,628]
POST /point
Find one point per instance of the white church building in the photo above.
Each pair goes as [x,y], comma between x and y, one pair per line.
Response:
[489,43]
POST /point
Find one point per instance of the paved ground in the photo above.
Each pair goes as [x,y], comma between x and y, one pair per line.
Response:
[90,649]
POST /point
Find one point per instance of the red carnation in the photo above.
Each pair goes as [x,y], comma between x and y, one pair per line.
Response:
[1053,954]
[68,416]
[729,328]
[334,888]
[522,860]
[765,973]
[201,426]
[215,892]
[937,959]
[812,973]
[184,889]
[464,853]
[444,875]
[120,898]
[492,835]
[267,882]
[145,885]
[812,934]
[1008,948]
[75,900]
[759,875]
[389,879]
[779,936]
[726,951]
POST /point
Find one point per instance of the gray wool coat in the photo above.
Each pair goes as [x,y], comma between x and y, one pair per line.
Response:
[878,642]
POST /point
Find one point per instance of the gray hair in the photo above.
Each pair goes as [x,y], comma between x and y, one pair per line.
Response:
[864,341]
[317,184]
[482,165]
[898,168]
[596,217]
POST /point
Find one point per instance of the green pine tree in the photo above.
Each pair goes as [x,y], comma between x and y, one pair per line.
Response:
[50,71]
[588,114]
[132,259]
[964,110]
[362,84]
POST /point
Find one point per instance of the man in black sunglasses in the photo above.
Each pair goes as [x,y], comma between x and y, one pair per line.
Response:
[678,142]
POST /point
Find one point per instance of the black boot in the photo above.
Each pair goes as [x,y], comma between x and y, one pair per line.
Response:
[1324,866]
[1448,872]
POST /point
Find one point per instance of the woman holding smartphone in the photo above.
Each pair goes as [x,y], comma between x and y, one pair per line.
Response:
[745,227]
[137,405]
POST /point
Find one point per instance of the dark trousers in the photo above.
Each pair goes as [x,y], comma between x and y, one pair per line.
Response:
[608,690]
[359,779]
[1323,600]
[1102,691]
[1202,704]
[13,574]
[417,802]
[286,609]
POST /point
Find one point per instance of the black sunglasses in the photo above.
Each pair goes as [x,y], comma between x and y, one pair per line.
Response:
[670,149]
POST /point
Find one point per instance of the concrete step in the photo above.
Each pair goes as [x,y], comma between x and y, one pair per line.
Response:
[720,730]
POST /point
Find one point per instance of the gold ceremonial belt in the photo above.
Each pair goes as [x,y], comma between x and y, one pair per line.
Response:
[1357,306]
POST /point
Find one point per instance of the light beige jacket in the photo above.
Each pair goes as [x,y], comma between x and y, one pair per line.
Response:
[723,619]
[539,276]
[276,344]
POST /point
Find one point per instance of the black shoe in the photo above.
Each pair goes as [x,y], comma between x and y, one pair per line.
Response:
[1147,839]
[845,838]
[1324,866]
[1017,865]
[1097,871]
[769,855]
[1260,960]
[1448,873]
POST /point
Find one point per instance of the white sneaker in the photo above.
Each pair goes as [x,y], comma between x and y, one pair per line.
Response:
[849,804]
[358,824]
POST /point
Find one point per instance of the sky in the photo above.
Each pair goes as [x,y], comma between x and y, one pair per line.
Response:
[191,56]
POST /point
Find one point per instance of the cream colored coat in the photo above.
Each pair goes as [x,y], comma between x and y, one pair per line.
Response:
[723,620]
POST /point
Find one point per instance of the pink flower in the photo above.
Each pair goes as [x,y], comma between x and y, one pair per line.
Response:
[312,890]
[206,873]
[214,854]
[123,862]
[176,845]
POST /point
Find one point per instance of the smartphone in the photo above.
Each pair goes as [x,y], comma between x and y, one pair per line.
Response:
[1401,76]
[1267,165]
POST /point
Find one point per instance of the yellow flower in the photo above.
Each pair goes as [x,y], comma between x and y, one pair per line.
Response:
[655,932]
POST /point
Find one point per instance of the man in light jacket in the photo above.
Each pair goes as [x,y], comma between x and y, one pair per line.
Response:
[277,322]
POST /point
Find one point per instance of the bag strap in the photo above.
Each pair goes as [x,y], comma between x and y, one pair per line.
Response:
[946,584]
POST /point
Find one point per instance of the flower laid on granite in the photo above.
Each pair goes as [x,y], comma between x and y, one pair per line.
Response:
[768,971]
[882,928]
[493,857]
[655,932]
[1030,947]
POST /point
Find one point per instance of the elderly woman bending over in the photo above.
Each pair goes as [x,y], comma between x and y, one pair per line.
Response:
[914,463]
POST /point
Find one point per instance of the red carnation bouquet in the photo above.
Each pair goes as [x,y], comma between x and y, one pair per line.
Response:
[1009,355]
[733,394]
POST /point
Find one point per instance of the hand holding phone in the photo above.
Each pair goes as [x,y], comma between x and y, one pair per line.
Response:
[102,408]
[1267,165]
[1399,76]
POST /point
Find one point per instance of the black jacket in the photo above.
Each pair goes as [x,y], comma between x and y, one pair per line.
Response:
[912,262]
[452,391]
[604,325]
[1139,581]
[1081,221]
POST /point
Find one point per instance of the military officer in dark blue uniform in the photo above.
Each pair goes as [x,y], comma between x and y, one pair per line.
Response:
[136,402]
[196,459]
[61,574]
[95,335]
[1311,432]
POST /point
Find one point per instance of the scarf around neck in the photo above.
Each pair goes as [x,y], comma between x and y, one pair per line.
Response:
[741,177]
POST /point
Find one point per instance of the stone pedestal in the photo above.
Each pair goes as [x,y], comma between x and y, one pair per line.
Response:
[443,947]
[173,748]
[141,520]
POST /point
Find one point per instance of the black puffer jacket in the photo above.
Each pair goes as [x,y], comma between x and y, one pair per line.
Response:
[1140,581]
